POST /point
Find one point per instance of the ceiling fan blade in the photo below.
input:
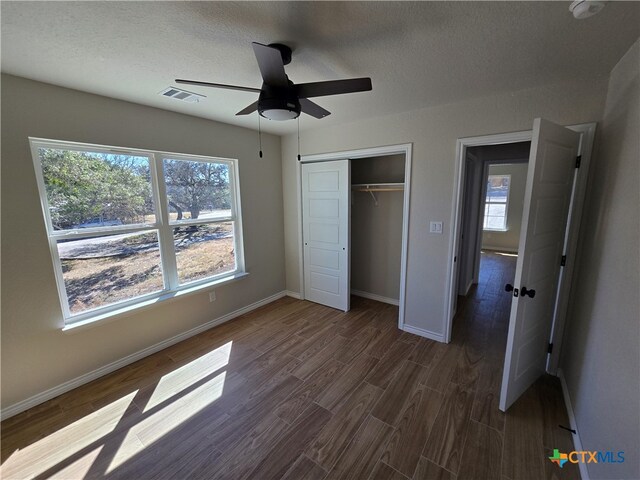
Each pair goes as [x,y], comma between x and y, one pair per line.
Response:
[250,109]
[313,109]
[333,87]
[271,65]
[218,85]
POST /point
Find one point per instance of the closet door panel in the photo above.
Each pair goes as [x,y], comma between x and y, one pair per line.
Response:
[325,224]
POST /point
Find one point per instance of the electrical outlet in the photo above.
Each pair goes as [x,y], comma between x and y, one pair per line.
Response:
[435,227]
[212,296]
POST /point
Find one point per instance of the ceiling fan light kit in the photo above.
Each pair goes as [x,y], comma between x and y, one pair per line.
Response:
[585,8]
[281,99]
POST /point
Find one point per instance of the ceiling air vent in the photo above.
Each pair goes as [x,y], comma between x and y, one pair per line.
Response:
[179,94]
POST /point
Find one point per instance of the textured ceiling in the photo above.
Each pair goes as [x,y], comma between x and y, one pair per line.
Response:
[417,53]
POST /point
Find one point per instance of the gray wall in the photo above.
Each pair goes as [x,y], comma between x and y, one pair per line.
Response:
[508,241]
[433,132]
[601,353]
[376,231]
[36,355]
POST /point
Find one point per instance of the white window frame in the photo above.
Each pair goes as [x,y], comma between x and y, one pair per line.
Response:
[163,226]
[506,205]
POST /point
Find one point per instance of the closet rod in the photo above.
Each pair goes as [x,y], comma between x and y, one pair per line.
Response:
[378,187]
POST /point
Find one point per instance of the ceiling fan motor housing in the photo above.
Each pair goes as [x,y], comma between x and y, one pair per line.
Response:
[278,103]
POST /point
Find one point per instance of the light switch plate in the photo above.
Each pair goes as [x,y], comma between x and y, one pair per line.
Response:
[212,296]
[435,227]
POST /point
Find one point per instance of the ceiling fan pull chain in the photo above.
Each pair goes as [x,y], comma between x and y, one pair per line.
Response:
[298,138]
[259,135]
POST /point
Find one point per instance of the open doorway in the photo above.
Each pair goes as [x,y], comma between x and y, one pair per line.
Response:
[553,199]
[493,200]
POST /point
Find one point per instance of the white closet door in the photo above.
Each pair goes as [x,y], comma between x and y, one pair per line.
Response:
[326,189]
[546,206]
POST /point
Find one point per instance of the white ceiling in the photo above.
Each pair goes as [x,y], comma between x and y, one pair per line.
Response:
[417,53]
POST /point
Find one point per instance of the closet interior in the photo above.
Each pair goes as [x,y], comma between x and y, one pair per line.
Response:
[377,185]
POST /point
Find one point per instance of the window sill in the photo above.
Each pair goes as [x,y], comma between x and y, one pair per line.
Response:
[499,230]
[102,318]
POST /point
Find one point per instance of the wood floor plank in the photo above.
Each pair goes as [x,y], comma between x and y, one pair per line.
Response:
[449,432]
[239,460]
[311,364]
[360,457]
[443,369]
[428,470]
[344,424]
[410,436]
[389,408]
[359,322]
[305,469]
[427,352]
[305,348]
[409,338]
[482,453]
[485,405]
[384,342]
[245,415]
[291,444]
[346,384]
[554,414]
[523,452]
[389,364]
[309,390]
[468,366]
[382,471]
[359,344]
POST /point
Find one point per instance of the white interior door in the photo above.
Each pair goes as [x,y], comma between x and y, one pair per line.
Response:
[546,206]
[326,189]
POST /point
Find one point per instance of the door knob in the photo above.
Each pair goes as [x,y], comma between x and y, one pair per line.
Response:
[525,291]
[508,287]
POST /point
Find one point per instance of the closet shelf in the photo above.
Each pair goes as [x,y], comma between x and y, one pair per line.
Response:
[378,187]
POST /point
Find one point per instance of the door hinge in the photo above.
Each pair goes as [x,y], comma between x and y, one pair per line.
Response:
[563,261]
[578,160]
[550,348]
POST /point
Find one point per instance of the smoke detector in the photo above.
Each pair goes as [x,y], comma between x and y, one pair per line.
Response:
[179,94]
[585,8]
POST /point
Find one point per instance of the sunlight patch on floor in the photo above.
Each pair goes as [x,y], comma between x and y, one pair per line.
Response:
[505,254]
[185,376]
[81,467]
[53,449]
[154,427]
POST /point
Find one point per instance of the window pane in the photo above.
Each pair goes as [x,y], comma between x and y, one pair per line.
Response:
[103,270]
[498,188]
[197,190]
[203,251]
[497,209]
[90,189]
[494,222]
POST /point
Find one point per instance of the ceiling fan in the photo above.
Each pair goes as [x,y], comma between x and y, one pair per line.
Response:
[280,98]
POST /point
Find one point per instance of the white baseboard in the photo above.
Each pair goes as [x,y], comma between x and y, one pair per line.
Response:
[377,298]
[424,333]
[577,443]
[134,357]
[292,294]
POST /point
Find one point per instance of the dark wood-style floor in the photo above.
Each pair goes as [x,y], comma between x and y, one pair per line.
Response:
[296,390]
